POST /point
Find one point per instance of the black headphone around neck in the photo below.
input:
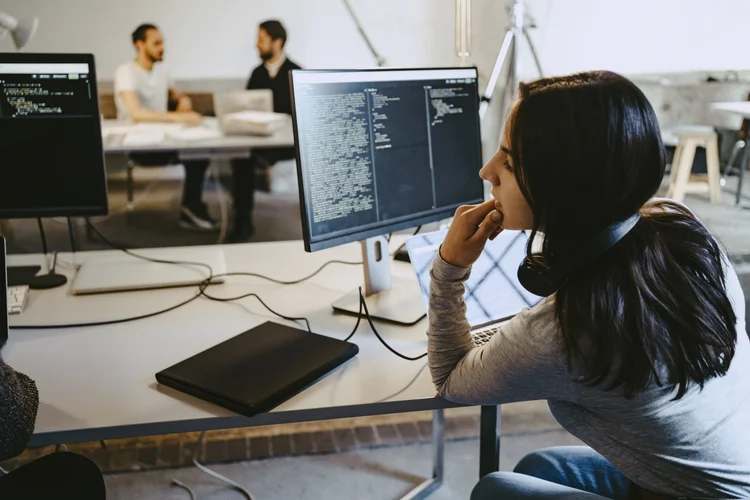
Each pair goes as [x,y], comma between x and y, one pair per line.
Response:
[544,281]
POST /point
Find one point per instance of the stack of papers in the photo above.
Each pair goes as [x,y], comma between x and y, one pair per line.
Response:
[149,134]
[253,122]
[139,134]
[194,134]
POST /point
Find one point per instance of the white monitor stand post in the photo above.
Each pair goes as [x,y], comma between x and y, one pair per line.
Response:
[388,298]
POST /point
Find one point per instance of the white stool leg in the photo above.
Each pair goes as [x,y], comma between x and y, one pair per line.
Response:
[684,167]
[675,161]
[712,165]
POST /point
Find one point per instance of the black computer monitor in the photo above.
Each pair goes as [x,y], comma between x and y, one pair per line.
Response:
[382,150]
[51,158]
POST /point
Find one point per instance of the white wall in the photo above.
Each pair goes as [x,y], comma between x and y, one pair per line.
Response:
[640,36]
[213,39]
[216,38]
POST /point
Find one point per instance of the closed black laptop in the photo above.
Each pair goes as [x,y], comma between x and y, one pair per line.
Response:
[259,369]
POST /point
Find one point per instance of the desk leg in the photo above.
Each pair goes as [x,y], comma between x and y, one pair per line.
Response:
[743,163]
[438,449]
[129,171]
[489,440]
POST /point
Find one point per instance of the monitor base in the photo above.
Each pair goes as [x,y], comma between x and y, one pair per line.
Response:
[402,304]
[47,281]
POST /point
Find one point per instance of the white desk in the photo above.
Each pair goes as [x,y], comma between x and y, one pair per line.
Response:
[98,383]
[740,108]
[221,147]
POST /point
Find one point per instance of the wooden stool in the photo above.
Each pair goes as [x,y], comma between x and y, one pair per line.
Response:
[680,179]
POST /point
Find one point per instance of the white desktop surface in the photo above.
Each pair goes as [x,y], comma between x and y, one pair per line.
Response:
[114,133]
[98,382]
[741,108]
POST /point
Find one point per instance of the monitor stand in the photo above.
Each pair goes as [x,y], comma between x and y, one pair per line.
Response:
[388,298]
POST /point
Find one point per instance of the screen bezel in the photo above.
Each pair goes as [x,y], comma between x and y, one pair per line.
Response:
[102,207]
[388,227]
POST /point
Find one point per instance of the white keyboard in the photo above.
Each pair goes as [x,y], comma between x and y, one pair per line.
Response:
[17,298]
[481,338]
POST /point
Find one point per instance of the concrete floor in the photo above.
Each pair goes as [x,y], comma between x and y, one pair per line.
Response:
[384,473]
[730,223]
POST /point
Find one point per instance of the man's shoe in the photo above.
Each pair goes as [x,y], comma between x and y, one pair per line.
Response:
[197,219]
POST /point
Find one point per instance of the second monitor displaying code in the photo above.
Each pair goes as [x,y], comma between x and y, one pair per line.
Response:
[44,95]
[375,152]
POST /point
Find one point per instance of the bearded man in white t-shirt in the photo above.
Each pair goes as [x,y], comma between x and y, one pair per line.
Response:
[143,91]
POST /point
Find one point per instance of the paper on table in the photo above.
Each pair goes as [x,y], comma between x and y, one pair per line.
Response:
[255,117]
[120,128]
[253,122]
[161,127]
[143,138]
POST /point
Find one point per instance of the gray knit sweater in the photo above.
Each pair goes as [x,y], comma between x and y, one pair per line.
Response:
[698,446]
[19,401]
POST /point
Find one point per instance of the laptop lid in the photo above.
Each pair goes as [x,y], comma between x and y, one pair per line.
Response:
[493,292]
[259,369]
[120,272]
[4,302]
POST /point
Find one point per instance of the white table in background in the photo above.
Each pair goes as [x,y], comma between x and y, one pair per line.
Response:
[97,383]
[219,147]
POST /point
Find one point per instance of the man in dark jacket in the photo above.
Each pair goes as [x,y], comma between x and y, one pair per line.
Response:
[273,74]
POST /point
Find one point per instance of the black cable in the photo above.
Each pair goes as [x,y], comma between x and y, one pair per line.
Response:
[404,243]
[359,317]
[54,263]
[45,248]
[294,282]
[106,322]
[71,235]
[149,259]
[382,341]
[232,299]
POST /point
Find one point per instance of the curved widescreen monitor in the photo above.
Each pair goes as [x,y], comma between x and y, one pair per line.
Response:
[382,150]
[51,158]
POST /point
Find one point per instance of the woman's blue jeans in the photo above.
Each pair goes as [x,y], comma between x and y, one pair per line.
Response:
[564,472]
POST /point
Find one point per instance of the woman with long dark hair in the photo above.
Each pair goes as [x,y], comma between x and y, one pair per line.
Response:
[640,349]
